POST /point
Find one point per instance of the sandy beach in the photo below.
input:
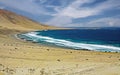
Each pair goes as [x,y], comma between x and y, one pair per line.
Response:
[19,57]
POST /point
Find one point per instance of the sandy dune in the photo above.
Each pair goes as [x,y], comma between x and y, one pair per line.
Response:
[18,57]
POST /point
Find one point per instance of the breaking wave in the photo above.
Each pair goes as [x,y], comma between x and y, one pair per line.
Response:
[65,43]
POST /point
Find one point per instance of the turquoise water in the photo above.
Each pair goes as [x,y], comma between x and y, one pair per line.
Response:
[91,39]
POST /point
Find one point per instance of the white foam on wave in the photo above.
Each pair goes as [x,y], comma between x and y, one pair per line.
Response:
[74,45]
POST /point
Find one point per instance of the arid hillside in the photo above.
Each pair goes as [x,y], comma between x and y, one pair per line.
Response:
[11,20]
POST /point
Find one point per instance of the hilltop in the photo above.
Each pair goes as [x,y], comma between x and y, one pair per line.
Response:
[11,20]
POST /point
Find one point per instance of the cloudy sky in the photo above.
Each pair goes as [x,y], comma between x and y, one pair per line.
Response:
[68,13]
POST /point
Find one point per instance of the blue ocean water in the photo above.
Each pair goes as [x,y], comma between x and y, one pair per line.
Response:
[105,39]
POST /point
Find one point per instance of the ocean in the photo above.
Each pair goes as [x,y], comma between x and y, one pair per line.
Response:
[104,39]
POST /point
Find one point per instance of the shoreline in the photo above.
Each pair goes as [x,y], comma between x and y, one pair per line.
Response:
[21,57]
[66,47]
[49,45]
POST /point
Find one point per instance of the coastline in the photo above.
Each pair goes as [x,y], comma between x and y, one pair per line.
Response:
[23,57]
[19,57]
[67,44]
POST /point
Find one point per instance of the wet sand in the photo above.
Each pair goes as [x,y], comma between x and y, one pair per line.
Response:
[18,57]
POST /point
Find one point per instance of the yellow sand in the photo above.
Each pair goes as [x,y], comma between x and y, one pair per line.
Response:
[18,57]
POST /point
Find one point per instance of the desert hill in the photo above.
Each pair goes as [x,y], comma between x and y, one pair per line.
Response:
[11,20]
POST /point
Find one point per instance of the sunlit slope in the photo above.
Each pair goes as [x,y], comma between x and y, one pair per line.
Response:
[12,20]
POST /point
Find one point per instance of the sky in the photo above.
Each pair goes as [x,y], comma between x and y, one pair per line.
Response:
[68,13]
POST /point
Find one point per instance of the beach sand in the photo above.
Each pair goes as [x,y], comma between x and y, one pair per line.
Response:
[19,57]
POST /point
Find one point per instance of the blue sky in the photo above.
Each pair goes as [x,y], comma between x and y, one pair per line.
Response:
[68,13]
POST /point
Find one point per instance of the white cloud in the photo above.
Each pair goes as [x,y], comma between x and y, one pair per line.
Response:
[105,22]
[60,20]
[64,16]
[24,5]
[75,10]
[101,22]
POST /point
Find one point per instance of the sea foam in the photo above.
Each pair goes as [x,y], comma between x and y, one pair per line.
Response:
[70,44]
